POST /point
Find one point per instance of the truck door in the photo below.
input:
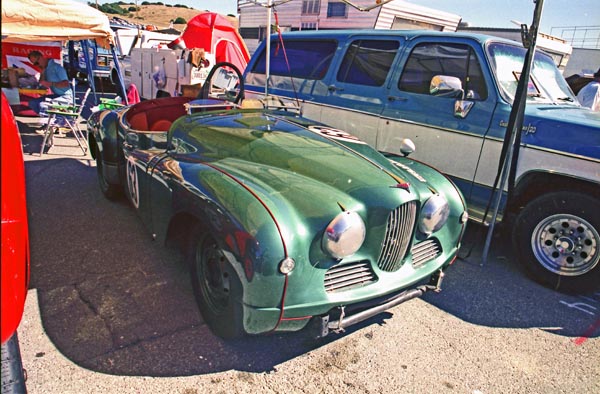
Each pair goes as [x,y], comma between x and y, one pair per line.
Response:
[446,138]
[358,91]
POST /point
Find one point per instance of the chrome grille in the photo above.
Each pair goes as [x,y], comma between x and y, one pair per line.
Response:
[349,276]
[425,251]
[398,234]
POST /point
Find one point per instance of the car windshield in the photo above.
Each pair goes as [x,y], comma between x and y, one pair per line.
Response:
[546,82]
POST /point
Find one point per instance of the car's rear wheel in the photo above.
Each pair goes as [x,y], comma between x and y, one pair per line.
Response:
[216,286]
[110,191]
[557,239]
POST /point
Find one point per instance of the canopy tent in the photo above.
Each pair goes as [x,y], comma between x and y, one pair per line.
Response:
[53,20]
[57,20]
[215,34]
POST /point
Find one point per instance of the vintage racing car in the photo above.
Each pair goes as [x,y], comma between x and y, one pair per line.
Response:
[285,221]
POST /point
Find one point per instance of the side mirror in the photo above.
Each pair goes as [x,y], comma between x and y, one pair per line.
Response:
[446,86]
[407,147]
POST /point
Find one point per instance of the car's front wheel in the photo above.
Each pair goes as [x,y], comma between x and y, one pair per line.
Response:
[216,286]
[557,239]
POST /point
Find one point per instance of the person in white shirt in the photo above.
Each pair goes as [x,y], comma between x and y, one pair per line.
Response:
[589,95]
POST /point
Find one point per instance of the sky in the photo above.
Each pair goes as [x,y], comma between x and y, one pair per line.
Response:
[479,13]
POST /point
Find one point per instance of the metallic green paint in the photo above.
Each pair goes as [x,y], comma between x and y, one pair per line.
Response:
[266,187]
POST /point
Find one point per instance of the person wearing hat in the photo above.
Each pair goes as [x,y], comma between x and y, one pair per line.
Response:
[589,95]
[52,76]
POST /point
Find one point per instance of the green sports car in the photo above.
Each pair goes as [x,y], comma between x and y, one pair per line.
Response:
[286,222]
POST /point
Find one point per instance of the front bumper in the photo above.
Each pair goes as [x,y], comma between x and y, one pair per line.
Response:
[340,318]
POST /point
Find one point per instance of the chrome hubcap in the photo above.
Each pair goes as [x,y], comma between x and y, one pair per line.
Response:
[566,245]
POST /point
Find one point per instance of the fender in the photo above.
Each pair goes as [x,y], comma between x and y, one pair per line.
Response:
[104,128]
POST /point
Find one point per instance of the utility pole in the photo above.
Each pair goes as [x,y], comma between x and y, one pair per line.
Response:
[512,140]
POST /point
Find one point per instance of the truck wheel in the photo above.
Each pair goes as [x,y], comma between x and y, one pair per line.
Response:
[557,240]
[110,191]
[216,286]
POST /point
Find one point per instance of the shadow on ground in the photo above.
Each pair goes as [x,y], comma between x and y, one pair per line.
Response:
[500,294]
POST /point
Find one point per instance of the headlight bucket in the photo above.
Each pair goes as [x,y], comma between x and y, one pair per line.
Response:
[344,235]
[434,214]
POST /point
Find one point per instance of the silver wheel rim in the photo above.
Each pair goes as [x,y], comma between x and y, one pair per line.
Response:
[566,245]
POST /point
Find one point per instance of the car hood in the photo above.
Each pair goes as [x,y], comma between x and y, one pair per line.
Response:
[274,154]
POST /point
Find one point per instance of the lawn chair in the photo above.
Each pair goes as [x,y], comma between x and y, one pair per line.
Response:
[66,116]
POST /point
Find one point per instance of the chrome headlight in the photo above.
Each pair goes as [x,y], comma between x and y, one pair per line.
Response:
[434,214]
[344,235]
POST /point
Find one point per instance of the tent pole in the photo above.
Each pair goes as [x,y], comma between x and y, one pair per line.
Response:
[122,88]
[268,38]
[90,72]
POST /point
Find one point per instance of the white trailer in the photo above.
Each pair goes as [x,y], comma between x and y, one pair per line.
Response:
[172,64]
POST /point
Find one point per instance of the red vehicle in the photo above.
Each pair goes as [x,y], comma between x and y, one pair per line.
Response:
[15,250]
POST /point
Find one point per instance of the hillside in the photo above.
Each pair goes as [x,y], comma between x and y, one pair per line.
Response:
[159,15]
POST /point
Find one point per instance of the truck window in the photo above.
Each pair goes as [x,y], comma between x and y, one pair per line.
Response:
[367,62]
[456,60]
[316,57]
[507,61]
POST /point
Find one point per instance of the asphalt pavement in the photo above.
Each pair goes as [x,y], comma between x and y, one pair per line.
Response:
[109,310]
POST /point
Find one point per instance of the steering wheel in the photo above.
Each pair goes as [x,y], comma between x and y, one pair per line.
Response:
[205,90]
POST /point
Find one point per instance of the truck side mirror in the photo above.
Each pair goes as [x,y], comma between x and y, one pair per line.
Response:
[446,86]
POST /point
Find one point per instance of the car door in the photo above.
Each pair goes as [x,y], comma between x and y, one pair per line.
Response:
[138,161]
[165,176]
[447,126]
[358,90]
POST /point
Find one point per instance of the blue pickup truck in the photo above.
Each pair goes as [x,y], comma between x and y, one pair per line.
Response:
[452,94]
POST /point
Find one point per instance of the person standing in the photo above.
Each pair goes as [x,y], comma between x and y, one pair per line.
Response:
[52,76]
[589,95]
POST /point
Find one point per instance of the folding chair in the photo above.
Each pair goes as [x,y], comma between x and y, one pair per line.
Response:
[67,116]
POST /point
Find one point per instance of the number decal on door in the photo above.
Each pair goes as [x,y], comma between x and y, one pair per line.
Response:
[132,183]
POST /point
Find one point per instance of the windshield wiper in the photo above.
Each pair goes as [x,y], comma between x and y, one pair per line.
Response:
[569,99]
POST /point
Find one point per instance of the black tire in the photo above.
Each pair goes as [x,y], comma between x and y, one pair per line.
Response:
[557,240]
[110,191]
[13,374]
[217,288]
[114,77]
